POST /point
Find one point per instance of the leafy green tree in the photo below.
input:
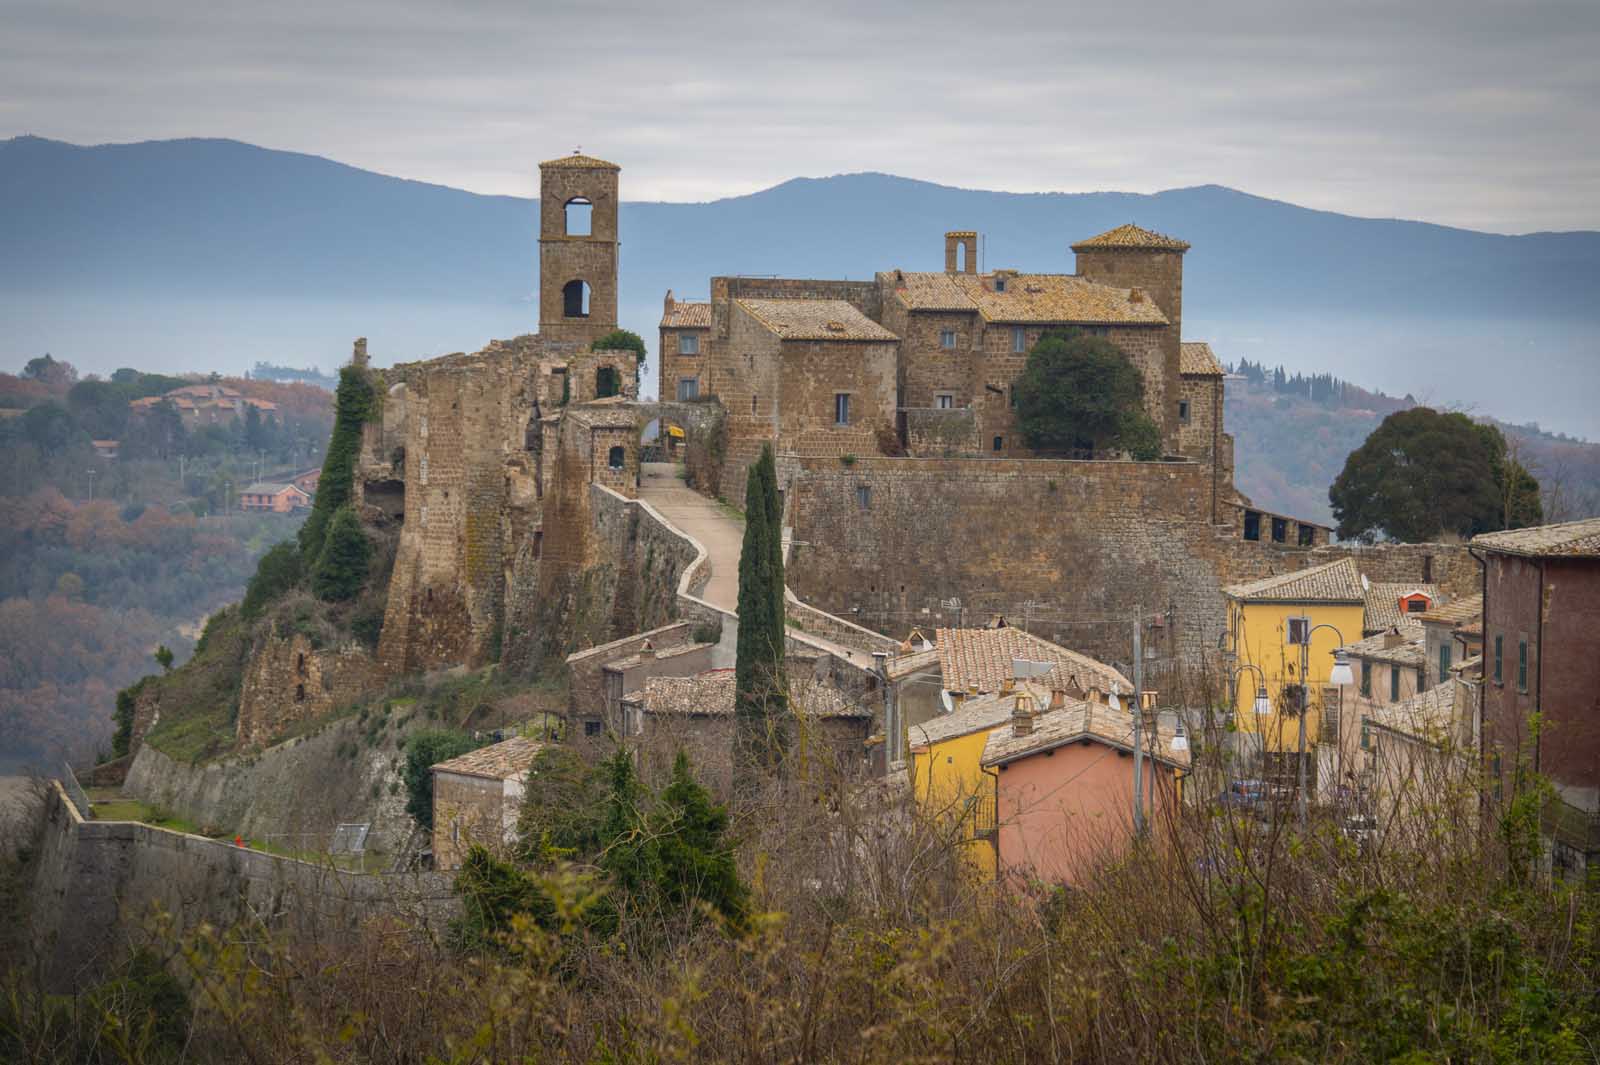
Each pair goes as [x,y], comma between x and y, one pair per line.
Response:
[279,570]
[163,657]
[127,703]
[424,750]
[353,404]
[695,858]
[563,806]
[1422,474]
[50,428]
[341,569]
[622,340]
[1080,392]
[760,696]
[100,407]
[50,371]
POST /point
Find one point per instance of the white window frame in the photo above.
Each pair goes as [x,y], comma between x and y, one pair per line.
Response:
[684,393]
[947,339]
[1019,340]
[841,408]
[944,401]
[688,343]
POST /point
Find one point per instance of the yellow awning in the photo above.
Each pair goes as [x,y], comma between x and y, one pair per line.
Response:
[673,430]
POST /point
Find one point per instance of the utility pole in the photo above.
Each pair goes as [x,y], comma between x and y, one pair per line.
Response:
[893,733]
[91,473]
[1138,724]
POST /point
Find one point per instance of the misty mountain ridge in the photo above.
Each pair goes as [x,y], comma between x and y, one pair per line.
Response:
[169,253]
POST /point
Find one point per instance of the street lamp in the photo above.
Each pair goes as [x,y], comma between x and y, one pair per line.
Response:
[1339,676]
[1261,705]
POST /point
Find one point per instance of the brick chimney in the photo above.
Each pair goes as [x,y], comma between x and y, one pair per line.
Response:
[668,303]
[1022,715]
[1392,638]
[1058,698]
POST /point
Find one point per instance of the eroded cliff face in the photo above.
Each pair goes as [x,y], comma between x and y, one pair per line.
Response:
[487,458]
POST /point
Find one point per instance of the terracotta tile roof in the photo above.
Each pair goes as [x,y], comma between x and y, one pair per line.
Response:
[604,414]
[1132,236]
[1383,603]
[1571,539]
[1428,716]
[921,291]
[912,662]
[1456,611]
[270,488]
[976,713]
[499,761]
[1196,359]
[1058,298]
[983,657]
[711,694]
[576,161]
[1411,652]
[1333,582]
[815,320]
[1043,298]
[686,315]
[1074,721]
[620,664]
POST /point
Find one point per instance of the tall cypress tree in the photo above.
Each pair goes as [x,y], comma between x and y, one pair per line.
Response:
[352,405]
[760,693]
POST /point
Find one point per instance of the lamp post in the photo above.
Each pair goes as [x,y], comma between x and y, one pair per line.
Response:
[1339,677]
[1261,705]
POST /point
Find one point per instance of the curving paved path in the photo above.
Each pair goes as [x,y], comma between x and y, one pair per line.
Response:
[720,530]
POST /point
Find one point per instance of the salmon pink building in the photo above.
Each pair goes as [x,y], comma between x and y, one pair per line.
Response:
[1064,787]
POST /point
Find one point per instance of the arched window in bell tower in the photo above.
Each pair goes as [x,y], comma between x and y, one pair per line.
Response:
[579,217]
[575,299]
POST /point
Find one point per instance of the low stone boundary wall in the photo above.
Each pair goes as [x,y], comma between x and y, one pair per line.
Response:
[96,884]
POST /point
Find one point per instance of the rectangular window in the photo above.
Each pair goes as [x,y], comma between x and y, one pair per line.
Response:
[1280,530]
[1394,684]
[1307,535]
[1252,525]
[1444,662]
[1183,411]
[1019,339]
[999,443]
[1499,677]
[1299,630]
[863,496]
[841,408]
[591,728]
[1013,390]
[944,401]
[754,398]
[1522,665]
[688,388]
[999,284]
[947,338]
[688,344]
[1366,734]
[1366,679]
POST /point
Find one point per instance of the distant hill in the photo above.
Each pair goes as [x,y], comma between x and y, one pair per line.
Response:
[1289,448]
[177,253]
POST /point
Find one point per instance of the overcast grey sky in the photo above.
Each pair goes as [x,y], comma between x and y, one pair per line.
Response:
[1457,111]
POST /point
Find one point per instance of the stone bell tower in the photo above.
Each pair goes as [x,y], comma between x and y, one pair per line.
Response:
[577,248]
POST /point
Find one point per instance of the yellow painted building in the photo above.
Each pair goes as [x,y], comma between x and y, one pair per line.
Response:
[1259,616]
[947,776]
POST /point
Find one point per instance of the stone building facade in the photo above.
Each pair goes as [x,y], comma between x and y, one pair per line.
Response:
[488,458]
[960,339]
